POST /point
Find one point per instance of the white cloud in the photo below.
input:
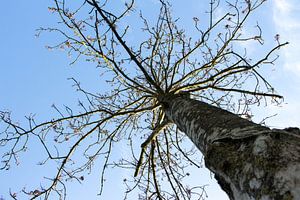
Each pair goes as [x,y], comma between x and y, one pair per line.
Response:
[282,5]
[286,15]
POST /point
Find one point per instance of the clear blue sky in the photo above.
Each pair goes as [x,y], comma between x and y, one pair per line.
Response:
[33,78]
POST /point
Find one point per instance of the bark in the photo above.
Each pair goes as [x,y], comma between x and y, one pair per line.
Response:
[249,161]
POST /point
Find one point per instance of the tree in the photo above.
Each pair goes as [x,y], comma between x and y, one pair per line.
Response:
[158,88]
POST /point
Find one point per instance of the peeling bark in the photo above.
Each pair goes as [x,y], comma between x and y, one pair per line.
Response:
[249,161]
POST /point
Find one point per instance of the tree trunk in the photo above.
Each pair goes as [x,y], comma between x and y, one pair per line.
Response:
[249,161]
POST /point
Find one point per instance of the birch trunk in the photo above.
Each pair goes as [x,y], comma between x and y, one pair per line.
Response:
[249,161]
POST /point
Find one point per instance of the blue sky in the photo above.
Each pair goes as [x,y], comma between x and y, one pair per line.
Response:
[33,78]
